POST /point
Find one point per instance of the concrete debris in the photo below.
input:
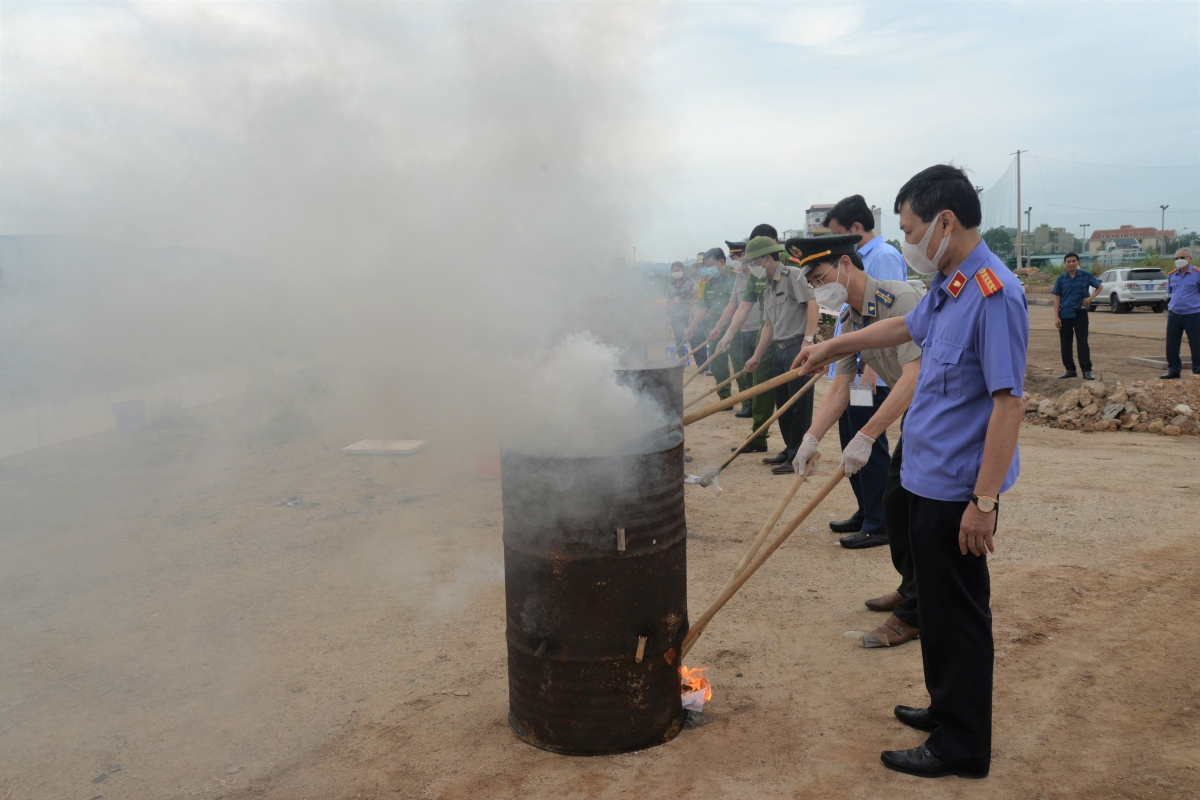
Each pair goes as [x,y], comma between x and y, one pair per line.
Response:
[1162,407]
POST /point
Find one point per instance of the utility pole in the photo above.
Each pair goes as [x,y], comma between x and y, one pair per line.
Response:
[1018,155]
[1161,232]
[1028,224]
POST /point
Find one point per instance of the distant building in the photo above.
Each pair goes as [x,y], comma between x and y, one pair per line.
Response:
[814,219]
[1145,238]
[1052,240]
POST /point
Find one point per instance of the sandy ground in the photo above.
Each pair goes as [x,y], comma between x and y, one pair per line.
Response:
[169,629]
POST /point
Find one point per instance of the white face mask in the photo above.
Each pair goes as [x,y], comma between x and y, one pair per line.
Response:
[832,295]
[914,254]
[676,275]
[1181,262]
[758,271]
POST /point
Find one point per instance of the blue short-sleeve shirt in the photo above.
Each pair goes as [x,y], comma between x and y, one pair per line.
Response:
[973,345]
[1183,289]
[1071,291]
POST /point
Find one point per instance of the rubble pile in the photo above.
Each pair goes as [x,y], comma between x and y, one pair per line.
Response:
[1170,408]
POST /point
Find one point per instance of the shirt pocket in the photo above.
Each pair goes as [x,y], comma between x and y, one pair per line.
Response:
[947,370]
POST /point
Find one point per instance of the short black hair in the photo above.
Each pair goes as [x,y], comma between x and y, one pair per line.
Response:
[939,188]
[675,264]
[1071,255]
[716,254]
[855,259]
[850,210]
[764,230]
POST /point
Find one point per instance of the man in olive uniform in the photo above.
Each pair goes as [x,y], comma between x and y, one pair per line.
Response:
[836,271]
[789,324]
[717,291]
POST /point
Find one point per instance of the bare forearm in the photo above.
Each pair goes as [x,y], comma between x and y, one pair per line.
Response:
[877,336]
[812,319]
[764,341]
[897,402]
[1001,442]
[832,406]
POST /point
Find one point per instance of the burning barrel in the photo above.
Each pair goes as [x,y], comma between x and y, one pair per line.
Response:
[595,570]
[660,380]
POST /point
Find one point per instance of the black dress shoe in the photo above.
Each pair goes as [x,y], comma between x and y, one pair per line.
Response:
[922,763]
[782,458]
[1068,374]
[783,469]
[1088,376]
[753,447]
[862,539]
[851,525]
[745,411]
[915,717]
[1170,376]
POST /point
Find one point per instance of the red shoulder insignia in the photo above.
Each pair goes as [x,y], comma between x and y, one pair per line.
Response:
[989,284]
[956,284]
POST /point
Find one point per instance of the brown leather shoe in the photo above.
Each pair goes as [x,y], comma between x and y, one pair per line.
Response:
[891,633]
[885,603]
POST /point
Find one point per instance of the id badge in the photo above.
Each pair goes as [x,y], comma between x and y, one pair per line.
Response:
[860,393]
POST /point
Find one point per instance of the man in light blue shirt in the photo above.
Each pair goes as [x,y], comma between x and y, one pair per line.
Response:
[1183,313]
[960,454]
[883,263]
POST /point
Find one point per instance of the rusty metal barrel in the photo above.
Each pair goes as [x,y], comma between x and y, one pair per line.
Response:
[595,563]
[661,380]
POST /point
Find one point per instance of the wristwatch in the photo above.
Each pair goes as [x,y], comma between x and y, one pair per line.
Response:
[812,339]
[985,504]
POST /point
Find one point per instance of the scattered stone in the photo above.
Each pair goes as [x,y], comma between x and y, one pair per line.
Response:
[114,767]
[1131,407]
[101,778]
[1172,430]
[1085,397]
[1112,410]
[1047,409]
[1096,388]
[1184,409]
[1031,403]
[1129,420]
[1156,426]
[461,692]
[1140,428]
[1090,410]
[232,770]
[1068,400]
[1118,396]
[1179,421]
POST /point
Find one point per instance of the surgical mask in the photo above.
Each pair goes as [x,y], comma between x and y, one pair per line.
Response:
[676,275]
[758,271]
[832,295]
[709,272]
[1181,262]
[914,254]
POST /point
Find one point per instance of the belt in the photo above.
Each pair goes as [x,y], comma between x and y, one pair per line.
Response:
[784,344]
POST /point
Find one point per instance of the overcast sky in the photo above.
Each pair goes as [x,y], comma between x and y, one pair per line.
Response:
[749,112]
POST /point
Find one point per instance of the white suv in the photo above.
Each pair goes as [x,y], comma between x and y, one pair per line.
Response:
[1122,289]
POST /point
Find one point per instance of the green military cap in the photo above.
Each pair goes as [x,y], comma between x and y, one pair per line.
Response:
[807,252]
[761,246]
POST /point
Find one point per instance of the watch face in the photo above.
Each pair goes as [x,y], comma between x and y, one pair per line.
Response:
[986,504]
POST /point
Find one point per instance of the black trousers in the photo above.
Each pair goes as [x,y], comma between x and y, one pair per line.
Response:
[895,517]
[956,634]
[1176,325]
[1076,327]
[794,422]
[869,482]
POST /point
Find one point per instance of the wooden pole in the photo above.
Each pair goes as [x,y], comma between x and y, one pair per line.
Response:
[698,627]
[716,388]
[700,369]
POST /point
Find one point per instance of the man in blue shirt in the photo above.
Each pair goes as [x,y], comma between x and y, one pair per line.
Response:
[1071,301]
[1183,313]
[960,454]
[883,263]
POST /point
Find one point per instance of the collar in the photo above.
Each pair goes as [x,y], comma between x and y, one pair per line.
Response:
[970,265]
[869,246]
[869,306]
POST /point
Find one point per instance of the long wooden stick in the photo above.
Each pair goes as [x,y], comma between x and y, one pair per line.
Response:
[779,412]
[701,369]
[716,388]
[730,402]
[769,525]
[698,627]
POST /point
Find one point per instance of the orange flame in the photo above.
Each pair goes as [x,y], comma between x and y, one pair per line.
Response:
[692,680]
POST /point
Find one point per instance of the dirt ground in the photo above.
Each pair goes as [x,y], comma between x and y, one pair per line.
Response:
[170,627]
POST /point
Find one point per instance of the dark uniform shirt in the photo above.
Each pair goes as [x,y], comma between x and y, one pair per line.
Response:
[1071,291]
[717,291]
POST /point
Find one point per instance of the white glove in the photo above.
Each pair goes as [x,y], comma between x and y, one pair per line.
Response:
[723,345]
[857,453]
[805,452]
